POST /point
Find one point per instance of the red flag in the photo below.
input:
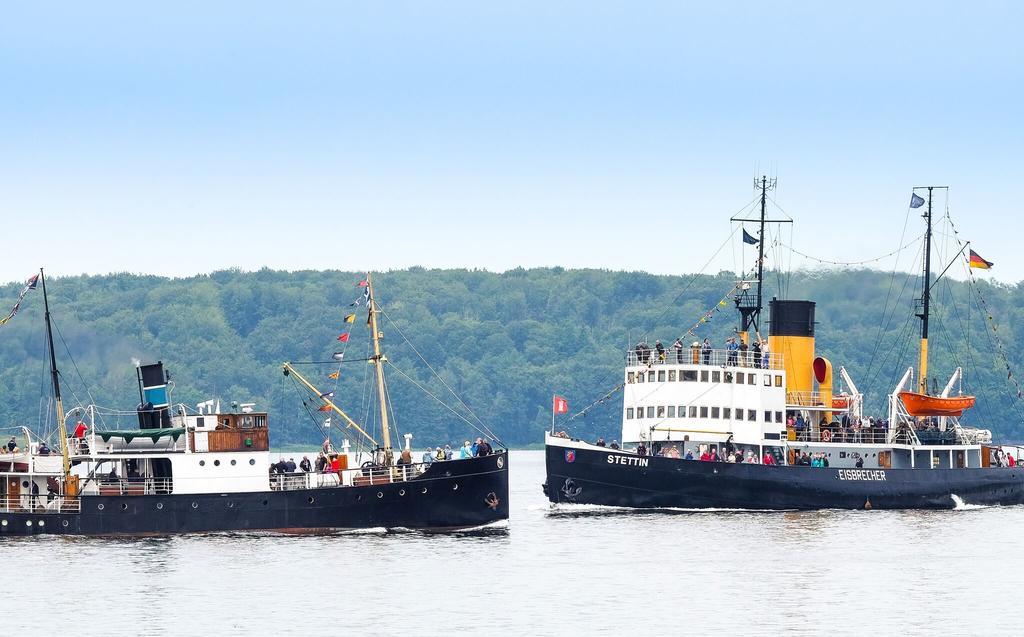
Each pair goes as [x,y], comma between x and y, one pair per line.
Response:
[363,283]
[343,338]
[560,405]
[325,408]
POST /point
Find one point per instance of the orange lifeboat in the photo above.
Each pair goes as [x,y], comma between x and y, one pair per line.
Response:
[924,405]
[840,402]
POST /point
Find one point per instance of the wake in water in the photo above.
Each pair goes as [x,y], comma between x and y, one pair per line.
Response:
[960,505]
[584,510]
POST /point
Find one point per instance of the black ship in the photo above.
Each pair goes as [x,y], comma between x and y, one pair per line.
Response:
[758,425]
[187,471]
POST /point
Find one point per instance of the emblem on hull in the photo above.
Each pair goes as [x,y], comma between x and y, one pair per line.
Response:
[570,455]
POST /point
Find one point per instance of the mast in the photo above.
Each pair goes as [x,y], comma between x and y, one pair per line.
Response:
[55,379]
[378,363]
[291,371]
[925,301]
[750,303]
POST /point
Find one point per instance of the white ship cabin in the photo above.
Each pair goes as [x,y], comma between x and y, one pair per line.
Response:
[785,404]
[691,398]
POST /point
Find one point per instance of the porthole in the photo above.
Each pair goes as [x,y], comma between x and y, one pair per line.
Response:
[310,499]
[202,463]
[216,463]
[42,522]
[424,491]
[64,524]
[501,462]
[28,522]
[252,460]
[124,506]
[195,505]
[455,487]
[234,462]
[380,494]
[159,505]
[4,523]
[401,492]
[99,506]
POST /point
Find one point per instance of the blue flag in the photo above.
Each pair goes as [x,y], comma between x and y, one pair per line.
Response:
[915,201]
[749,238]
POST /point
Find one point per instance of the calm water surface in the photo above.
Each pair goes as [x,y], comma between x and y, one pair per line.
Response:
[552,572]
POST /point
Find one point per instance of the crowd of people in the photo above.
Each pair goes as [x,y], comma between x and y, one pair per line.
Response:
[844,429]
[738,353]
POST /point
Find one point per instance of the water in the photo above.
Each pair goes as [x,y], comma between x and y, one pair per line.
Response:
[574,571]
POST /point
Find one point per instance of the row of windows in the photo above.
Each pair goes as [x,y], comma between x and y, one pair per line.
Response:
[695,411]
[704,376]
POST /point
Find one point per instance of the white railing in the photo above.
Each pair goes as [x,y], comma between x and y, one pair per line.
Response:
[358,476]
[39,503]
[713,357]
[134,486]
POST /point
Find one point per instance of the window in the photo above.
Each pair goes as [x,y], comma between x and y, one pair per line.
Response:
[716,377]
[752,415]
[650,412]
[639,412]
[778,380]
[751,379]
[661,411]
[661,376]
[704,376]
[740,377]
[714,412]
[681,411]
[650,376]
[767,380]
[727,413]
[640,377]
[693,411]
[631,377]
[671,411]
[778,417]
[629,413]
[688,375]
[767,416]
[671,375]
[703,412]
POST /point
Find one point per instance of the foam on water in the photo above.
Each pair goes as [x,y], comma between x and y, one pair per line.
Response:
[960,505]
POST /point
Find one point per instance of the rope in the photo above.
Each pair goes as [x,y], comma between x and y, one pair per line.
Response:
[434,372]
[853,263]
[485,431]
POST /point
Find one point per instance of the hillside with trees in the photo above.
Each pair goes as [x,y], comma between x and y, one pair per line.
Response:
[504,342]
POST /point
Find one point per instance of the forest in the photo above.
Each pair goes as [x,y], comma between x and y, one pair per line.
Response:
[504,343]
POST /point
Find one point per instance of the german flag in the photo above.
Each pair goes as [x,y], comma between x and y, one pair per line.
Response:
[977,262]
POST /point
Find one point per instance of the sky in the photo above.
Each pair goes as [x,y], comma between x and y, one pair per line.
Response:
[181,138]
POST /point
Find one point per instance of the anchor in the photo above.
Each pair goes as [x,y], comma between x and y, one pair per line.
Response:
[570,490]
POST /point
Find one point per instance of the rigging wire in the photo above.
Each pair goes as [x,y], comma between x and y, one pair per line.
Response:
[434,372]
[442,403]
[854,263]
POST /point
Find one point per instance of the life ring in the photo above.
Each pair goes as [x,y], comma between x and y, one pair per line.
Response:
[826,435]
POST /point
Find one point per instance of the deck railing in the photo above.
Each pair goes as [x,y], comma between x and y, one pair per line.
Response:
[714,357]
[39,503]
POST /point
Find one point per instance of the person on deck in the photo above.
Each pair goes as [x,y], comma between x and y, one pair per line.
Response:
[755,352]
[447,452]
[678,347]
[600,442]
[661,351]
[305,464]
[290,466]
[428,456]
[12,445]
[768,458]
[44,450]
[744,354]
[705,352]
[466,451]
[641,449]
[733,350]
[484,449]
[476,446]
[765,355]
[614,445]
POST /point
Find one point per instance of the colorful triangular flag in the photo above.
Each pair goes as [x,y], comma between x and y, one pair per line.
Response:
[334,375]
[351,318]
[344,337]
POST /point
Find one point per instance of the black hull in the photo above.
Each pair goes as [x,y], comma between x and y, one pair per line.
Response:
[448,496]
[654,482]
